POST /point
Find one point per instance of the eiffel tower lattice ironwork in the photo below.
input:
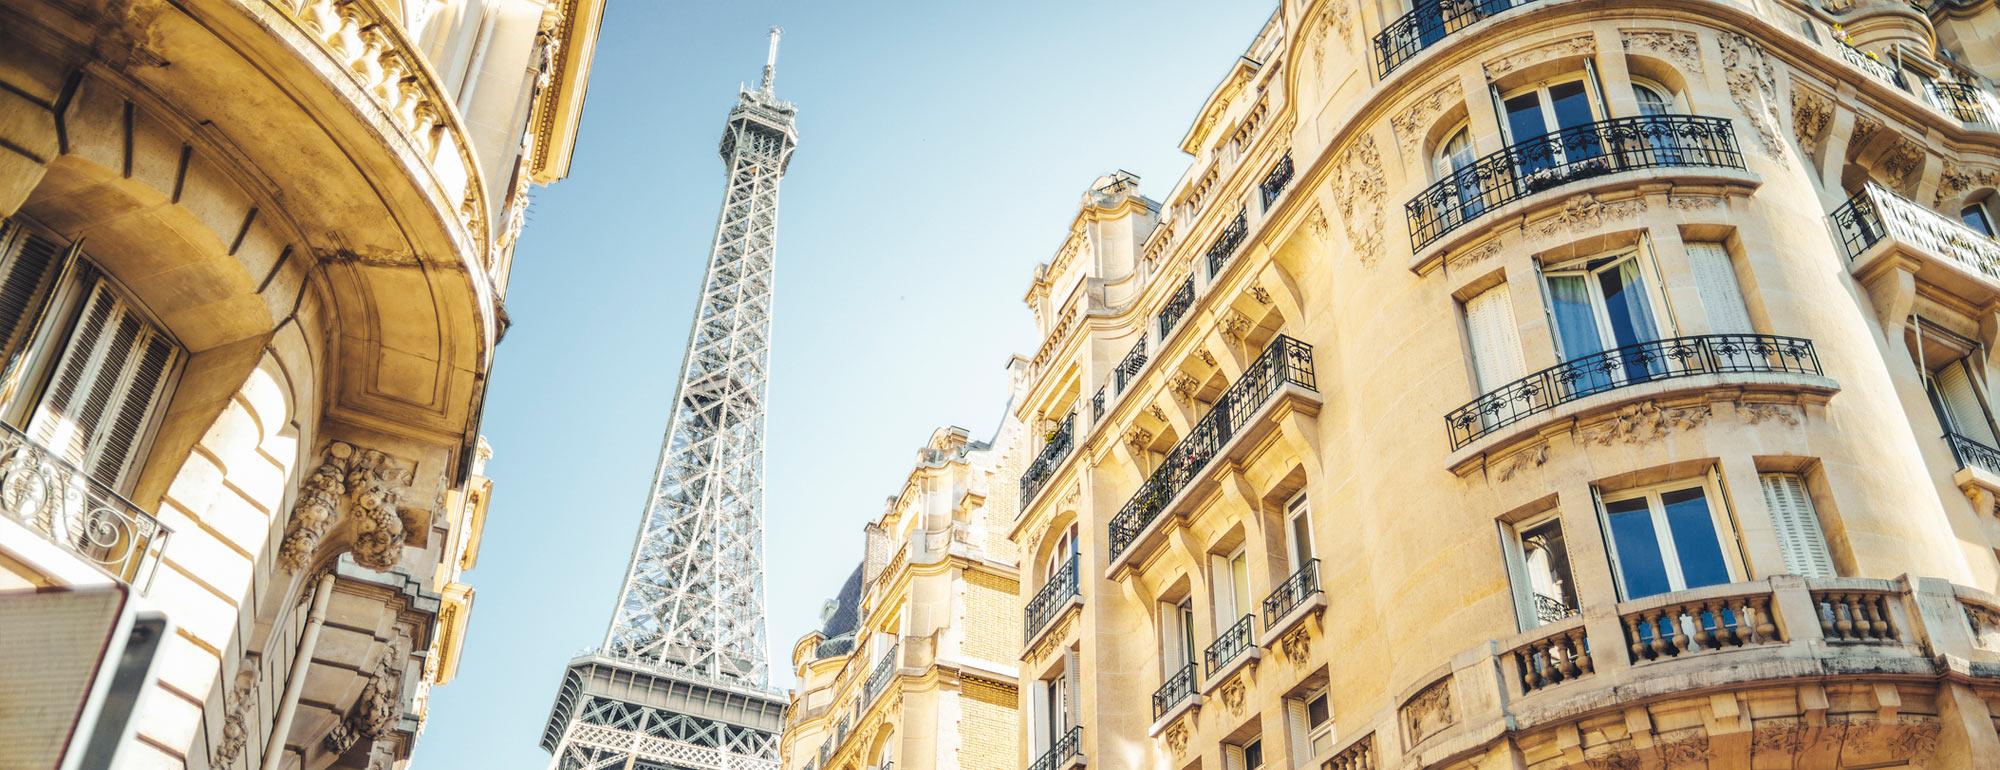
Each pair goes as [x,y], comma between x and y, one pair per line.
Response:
[682,679]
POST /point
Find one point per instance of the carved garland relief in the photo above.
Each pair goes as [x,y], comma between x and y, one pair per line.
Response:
[1412,124]
[369,484]
[1580,45]
[1429,711]
[1753,86]
[1678,47]
[1358,178]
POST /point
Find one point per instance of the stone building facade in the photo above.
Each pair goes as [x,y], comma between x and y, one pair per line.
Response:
[254,255]
[913,666]
[1532,384]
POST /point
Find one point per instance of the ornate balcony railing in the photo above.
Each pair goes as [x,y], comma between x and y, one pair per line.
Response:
[1855,616]
[1622,367]
[1549,609]
[1134,361]
[1359,755]
[1229,645]
[1302,585]
[1049,602]
[878,680]
[1286,361]
[1178,688]
[1973,454]
[1429,23]
[1275,182]
[48,495]
[1866,62]
[1968,103]
[1065,749]
[1097,404]
[1050,458]
[1227,242]
[1875,212]
[1565,157]
[1177,306]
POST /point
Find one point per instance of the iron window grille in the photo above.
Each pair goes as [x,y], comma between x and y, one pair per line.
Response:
[1227,242]
[1177,306]
[1134,360]
[1430,22]
[1275,182]
[1051,457]
[1066,748]
[1973,454]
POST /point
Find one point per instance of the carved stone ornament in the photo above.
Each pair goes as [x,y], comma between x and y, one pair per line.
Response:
[376,711]
[1139,439]
[1580,45]
[1414,123]
[1154,411]
[1812,116]
[1583,212]
[363,485]
[1645,421]
[1487,250]
[1359,185]
[1692,750]
[1206,358]
[1620,759]
[1297,646]
[1532,457]
[1177,737]
[235,721]
[1957,178]
[1753,85]
[1258,293]
[1913,741]
[1183,387]
[1694,202]
[1757,414]
[1429,711]
[1780,738]
[1232,695]
[1675,46]
[1336,14]
[1316,223]
[1233,327]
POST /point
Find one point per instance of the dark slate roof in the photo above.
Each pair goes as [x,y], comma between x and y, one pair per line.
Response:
[842,615]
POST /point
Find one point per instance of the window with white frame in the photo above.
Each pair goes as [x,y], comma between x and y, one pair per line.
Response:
[1714,274]
[1494,338]
[1551,106]
[1064,549]
[1248,755]
[1666,537]
[1603,303]
[1796,523]
[1310,720]
[87,372]
[1978,218]
[1298,533]
[1177,650]
[1544,591]
[1952,364]
[1229,580]
[1053,703]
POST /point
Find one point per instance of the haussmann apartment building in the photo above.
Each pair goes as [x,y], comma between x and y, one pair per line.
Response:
[253,262]
[1531,384]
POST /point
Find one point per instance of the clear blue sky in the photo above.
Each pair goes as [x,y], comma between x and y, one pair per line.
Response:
[943,148]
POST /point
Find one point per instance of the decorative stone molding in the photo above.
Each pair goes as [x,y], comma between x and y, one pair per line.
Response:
[1177,737]
[378,708]
[1691,750]
[1046,643]
[1206,358]
[1139,439]
[1489,249]
[1258,293]
[1757,414]
[1644,421]
[1232,695]
[1334,14]
[1904,158]
[1533,457]
[1957,178]
[1675,46]
[370,483]
[1154,411]
[1413,124]
[1781,737]
[1579,45]
[1753,85]
[1429,711]
[1360,187]
[1680,202]
[1812,116]
[1297,646]
[1183,386]
[1585,211]
[1915,742]
[1233,327]
[235,721]
[1621,759]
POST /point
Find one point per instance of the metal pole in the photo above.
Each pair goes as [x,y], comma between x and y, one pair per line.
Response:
[288,707]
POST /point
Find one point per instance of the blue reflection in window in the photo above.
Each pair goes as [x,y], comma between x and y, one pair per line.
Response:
[1694,538]
[1639,563]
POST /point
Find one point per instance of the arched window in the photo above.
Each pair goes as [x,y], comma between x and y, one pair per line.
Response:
[1652,100]
[1978,218]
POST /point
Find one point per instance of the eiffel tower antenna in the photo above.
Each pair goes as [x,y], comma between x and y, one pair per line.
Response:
[682,679]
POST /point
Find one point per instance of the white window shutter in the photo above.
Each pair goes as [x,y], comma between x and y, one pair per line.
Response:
[1797,525]
[1962,403]
[1232,757]
[1301,732]
[1715,281]
[1496,343]
[28,267]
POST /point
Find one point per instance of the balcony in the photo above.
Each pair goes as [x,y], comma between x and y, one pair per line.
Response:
[1428,24]
[1876,224]
[1625,367]
[1868,63]
[1059,594]
[1969,104]
[1097,405]
[1176,307]
[1067,752]
[1232,649]
[42,492]
[1274,183]
[1291,600]
[1567,157]
[1286,362]
[1051,457]
[1973,454]
[878,680]
[1227,242]
[1174,696]
[1135,359]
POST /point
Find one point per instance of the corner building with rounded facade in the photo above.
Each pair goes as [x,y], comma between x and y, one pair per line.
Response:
[1540,384]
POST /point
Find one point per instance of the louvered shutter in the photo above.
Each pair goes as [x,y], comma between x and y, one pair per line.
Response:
[26,274]
[1301,732]
[1715,281]
[1961,404]
[1797,526]
[1232,757]
[108,382]
[1496,343]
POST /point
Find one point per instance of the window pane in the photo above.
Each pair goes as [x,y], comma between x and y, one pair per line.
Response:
[1572,104]
[1639,562]
[1316,713]
[1253,755]
[1576,322]
[1694,538]
[1975,218]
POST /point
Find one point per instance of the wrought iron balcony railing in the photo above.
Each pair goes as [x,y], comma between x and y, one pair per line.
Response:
[1302,585]
[1227,242]
[1131,364]
[46,494]
[1549,609]
[1626,366]
[1285,361]
[1973,454]
[1066,748]
[1275,182]
[1866,62]
[1049,602]
[878,680]
[1177,306]
[1430,22]
[1178,688]
[1566,157]
[1229,645]
[1050,458]
[1875,213]
[1968,103]
[1097,405]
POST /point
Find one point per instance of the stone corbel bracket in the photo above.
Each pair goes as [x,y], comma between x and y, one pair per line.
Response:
[350,502]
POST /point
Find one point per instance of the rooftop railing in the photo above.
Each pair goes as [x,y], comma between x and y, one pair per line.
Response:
[1051,457]
[1285,361]
[1565,157]
[47,494]
[1623,367]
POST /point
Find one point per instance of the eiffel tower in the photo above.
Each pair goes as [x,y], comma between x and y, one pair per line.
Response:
[682,679]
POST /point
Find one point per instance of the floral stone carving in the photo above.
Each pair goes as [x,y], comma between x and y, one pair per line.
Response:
[378,708]
[349,480]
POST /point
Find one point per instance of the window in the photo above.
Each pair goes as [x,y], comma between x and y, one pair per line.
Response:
[1601,304]
[1958,402]
[1453,158]
[1311,721]
[1652,99]
[1547,108]
[1664,538]
[1715,282]
[1495,340]
[1797,526]
[1176,638]
[1975,216]
[1229,579]
[1544,590]
[86,371]
[1249,756]
[1060,554]
[1298,533]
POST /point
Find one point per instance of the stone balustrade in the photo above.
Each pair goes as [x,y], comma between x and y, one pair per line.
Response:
[1560,654]
[1699,624]
[1855,615]
[1359,755]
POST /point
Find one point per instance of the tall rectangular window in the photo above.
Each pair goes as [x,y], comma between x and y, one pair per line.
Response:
[1310,719]
[1664,538]
[1715,282]
[1496,341]
[1229,578]
[1797,526]
[1544,590]
[1298,533]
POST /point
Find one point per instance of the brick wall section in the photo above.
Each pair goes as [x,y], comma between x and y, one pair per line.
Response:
[987,733]
[992,622]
